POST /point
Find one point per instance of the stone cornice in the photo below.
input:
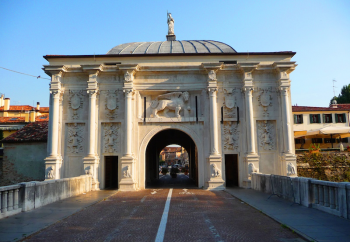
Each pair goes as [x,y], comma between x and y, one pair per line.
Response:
[284,66]
[248,66]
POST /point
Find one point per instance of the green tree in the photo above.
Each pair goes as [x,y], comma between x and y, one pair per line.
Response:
[344,96]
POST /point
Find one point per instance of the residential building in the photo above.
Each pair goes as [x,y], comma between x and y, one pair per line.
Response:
[308,118]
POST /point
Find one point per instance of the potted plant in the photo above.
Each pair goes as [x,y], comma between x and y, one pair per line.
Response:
[164,171]
[314,148]
[174,171]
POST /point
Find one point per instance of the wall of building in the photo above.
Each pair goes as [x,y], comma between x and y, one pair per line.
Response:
[23,162]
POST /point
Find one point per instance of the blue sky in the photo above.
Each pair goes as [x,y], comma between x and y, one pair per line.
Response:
[319,31]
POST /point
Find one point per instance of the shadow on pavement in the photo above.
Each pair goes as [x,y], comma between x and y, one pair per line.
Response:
[166,181]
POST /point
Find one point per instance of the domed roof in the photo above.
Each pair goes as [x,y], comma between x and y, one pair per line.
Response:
[172,47]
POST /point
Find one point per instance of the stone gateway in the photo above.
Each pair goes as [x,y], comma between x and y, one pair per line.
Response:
[112,114]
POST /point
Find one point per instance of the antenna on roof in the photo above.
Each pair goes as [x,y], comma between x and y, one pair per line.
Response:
[334,87]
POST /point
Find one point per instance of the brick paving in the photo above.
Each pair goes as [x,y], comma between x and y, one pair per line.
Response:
[195,215]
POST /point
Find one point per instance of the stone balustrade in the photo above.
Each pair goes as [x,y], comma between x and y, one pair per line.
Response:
[30,195]
[330,197]
[9,200]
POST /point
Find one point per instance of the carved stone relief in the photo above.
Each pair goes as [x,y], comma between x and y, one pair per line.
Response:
[75,138]
[110,137]
[251,169]
[127,172]
[290,169]
[216,172]
[170,101]
[230,103]
[265,99]
[231,136]
[76,102]
[111,104]
[50,173]
[266,135]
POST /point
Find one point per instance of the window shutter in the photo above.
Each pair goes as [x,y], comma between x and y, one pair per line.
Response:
[344,118]
[295,118]
[301,119]
[311,119]
[336,118]
[319,118]
[324,118]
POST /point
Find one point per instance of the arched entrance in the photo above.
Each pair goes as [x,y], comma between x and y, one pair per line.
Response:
[161,140]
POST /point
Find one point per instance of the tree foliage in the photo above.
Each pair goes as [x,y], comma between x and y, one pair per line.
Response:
[344,96]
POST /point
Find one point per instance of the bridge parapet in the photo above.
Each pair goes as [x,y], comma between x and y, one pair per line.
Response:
[330,197]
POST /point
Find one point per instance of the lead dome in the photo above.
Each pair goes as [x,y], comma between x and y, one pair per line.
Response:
[172,47]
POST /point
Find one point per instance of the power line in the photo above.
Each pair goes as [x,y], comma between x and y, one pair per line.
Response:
[37,77]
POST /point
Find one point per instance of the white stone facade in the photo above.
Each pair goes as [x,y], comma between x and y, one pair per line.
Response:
[97,110]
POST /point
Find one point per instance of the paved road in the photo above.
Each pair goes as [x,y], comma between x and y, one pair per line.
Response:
[194,215]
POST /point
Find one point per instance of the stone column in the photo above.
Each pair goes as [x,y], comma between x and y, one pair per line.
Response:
[251,158]
[127,182]
[250,120]
[287,126]
[213,122]
[128,121]
[54,161]
[91,161]
[215,160]
[288,157]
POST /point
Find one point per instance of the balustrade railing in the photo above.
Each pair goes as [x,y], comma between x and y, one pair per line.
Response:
[330,197]
[9,200]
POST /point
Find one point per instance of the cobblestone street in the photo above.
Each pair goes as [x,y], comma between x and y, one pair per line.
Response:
[194,215]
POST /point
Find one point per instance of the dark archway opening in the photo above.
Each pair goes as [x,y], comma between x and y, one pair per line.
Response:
[155,146]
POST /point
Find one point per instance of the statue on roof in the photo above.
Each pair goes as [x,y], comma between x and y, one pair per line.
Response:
[170,25]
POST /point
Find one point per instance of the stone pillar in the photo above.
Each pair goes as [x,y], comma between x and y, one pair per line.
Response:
[54,161]
[15,198]
[128,122]
[213,122]
[251,158]
[215,160]
[4,201]
[287,126]
[91,161]
[288,157]
[127,182]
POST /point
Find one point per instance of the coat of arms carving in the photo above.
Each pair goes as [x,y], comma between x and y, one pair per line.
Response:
[265,101]
[230,102]
[75,102]
[112,104]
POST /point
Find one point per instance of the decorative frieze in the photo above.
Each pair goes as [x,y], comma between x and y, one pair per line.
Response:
[266,135]
[231,135]
[110,137]
[75,138]
[111,104]
[76,102]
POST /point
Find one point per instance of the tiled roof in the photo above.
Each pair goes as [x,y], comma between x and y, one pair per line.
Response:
[5,120]
[36,131]
[26,108]
[42,118]
[340,107]
[171,149]
[44,109]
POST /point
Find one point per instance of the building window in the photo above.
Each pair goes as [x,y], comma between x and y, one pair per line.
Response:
[343,140]
[299,141]
[316,140]
[315,118]
[298,118]
[327,118]
[329,140]
[340,118]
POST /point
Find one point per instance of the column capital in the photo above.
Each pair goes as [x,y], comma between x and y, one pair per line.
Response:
[212,90]
[248,67]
